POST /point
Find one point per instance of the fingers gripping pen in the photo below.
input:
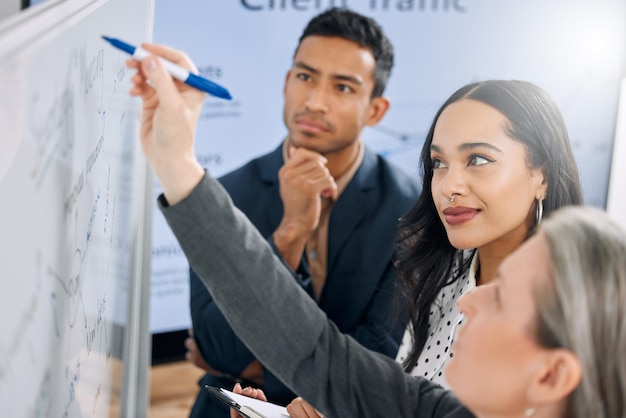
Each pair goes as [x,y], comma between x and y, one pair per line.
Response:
[174,70]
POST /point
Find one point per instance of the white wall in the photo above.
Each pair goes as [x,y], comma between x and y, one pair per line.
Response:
[616,199]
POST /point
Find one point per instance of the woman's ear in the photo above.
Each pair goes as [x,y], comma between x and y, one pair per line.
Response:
[557,378]
[541,179]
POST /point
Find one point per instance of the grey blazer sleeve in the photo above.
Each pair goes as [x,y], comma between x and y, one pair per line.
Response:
[256,293]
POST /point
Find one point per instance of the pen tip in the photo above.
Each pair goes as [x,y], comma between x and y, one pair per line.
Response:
[106,38]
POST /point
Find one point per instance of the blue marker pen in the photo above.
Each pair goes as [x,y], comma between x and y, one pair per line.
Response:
[174,70]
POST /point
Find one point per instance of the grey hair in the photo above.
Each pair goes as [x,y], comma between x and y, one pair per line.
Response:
[583,309]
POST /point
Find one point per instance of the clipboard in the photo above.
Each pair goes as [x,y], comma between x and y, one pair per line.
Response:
[246,411]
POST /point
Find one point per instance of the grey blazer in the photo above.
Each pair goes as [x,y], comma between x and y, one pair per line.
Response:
[360,278]
[256,292]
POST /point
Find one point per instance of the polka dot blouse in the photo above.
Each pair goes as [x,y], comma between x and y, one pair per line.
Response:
[444,320]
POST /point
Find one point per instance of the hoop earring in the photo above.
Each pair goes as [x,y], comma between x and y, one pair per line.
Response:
[539,213]
[529,412]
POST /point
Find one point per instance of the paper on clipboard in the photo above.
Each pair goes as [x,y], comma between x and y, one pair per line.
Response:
[267,409]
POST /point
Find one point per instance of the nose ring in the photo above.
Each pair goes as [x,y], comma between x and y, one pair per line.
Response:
[451,198]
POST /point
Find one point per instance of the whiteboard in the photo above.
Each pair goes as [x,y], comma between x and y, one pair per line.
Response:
[73,212]
[574,49]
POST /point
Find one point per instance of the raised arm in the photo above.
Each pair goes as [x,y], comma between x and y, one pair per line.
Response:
[283,326]
[252,287]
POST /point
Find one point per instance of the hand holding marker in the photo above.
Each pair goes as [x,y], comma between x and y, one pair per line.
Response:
[174,70]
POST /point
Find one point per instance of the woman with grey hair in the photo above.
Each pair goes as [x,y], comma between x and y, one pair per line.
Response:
[523,349]
[583,307]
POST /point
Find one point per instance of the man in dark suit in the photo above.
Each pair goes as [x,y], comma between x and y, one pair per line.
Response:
[327,204]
